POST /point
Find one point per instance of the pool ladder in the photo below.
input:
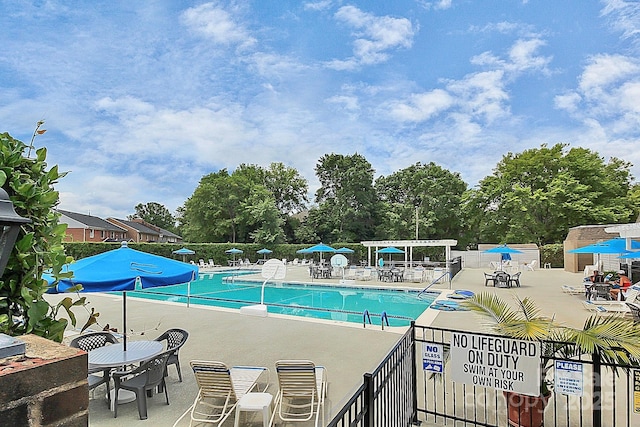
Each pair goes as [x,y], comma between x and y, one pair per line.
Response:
[367,317]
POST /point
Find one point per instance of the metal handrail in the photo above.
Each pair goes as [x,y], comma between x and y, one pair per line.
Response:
[446,273]
[365,316]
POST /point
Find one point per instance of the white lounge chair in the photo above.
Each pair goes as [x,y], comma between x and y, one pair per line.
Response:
[417,275]
[302,389]
[606,307]
[532,265]
[366,274]
[572,290]
[220,388]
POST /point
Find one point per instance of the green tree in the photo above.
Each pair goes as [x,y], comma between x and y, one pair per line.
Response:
[347,202]
[288,187]
[23,309]
[433,191]
[537,195]
[156,214]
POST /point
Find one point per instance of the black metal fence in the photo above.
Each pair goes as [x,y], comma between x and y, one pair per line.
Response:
[399,393]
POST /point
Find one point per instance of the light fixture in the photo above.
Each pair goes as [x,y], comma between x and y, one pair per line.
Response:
[10,223]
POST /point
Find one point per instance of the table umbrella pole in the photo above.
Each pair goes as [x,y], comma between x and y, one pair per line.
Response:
[124,318]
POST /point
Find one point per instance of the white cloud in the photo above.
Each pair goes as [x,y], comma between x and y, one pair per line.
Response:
[604,70]
[421,107]
[436,5]
[217,24]
[375,37]
[318,5]
[624,16]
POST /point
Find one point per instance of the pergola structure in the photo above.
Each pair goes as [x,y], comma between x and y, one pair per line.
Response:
[408,246]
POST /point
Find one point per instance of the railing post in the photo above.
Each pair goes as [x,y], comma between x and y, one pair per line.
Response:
[597,391]
[414,375]
[368,400]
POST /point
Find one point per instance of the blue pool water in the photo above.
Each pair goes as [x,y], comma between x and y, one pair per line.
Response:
[346,304]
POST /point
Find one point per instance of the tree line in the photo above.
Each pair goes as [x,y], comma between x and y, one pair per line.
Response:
[531,197]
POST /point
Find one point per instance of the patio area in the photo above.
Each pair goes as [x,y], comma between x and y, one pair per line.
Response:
[346,351]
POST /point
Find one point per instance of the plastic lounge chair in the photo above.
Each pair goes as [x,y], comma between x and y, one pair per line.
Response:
[175,339]
[366,274]
[635,311]
[143,379]
[220,388]
[91,341]
[572,290]
[601,306]
[532,265]
[514,280]
[302,388]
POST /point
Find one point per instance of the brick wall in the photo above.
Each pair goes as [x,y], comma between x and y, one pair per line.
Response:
[47,387]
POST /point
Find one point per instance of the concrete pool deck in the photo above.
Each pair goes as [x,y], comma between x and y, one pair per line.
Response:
[346,351]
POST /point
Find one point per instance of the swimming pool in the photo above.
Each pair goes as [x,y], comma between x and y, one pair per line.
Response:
[346,304]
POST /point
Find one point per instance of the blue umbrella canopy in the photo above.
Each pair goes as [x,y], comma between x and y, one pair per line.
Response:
[264,251]
[630,255]
[233,251]
[611,246]
[390,250]
[119,270]
[184,251]
[502,249]
[320,247]
[345,251]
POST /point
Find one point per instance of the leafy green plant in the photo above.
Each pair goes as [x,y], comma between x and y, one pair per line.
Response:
[23,309]
[615,339]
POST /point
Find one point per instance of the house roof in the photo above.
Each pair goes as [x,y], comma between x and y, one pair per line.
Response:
[590,233]
[140,228]
[91,221]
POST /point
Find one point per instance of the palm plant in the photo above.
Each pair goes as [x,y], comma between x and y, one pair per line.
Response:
[615,339]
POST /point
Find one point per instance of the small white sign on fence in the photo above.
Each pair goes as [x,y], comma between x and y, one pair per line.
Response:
[568,378]
[432,357]
[497,362]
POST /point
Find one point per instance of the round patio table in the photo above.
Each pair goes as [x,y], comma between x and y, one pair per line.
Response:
[114,356]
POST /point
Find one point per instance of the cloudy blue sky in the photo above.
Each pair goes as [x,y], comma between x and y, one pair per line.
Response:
[141,99]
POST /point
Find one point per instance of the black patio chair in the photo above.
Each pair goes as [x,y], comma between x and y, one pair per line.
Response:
[514,280]
[142,380]
[489,278]
[502,279]
[91,341]
[635,311]
[175,339]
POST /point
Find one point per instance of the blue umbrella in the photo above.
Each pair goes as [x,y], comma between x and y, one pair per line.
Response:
[320,247]
[233,251]
[504,251]
[612,246]
[184,252]
[390,250]
[264,251]
[345,251]
[121,270]
[630,255]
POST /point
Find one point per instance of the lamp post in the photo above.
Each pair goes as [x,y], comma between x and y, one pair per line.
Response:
[10,223]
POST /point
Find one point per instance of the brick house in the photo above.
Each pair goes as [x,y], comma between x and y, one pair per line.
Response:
[140,231]
[87,228]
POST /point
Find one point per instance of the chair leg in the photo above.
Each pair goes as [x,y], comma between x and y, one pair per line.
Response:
[141,397]
[114,401]
[179,372]
[166,394]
